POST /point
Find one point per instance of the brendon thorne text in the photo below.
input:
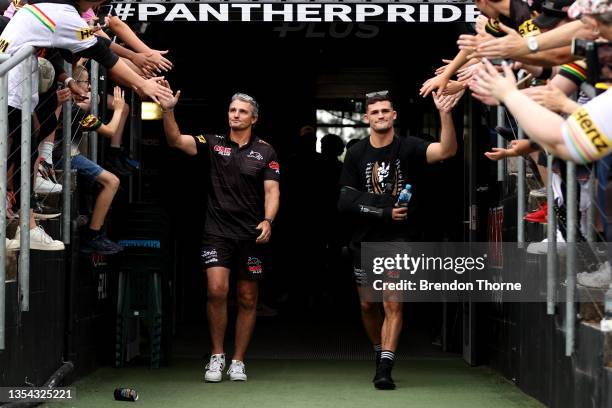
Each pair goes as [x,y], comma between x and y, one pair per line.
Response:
[425,285]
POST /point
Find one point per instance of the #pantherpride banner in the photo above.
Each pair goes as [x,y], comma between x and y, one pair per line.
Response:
[320,12]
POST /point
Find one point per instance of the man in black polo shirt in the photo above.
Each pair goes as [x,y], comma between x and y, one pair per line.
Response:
[242,204]
[375,170]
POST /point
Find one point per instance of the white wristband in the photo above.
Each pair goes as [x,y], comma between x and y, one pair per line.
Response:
[67,81]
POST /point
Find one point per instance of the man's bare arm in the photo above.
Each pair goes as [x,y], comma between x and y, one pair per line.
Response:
[549,58]
[447,146]
[175,139]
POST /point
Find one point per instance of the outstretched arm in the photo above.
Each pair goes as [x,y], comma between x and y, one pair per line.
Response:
[149,87]
[131,39]
[447,146]
[514,46]
[109,129]
[542,125]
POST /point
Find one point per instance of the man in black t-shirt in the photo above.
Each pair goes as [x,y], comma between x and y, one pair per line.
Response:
[242,204]
[375,171]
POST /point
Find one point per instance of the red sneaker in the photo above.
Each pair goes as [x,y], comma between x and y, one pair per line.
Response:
[538,215]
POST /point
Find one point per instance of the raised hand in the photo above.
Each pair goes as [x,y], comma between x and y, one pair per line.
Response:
[169,102]
[437,83]
[489,86]
[118,99]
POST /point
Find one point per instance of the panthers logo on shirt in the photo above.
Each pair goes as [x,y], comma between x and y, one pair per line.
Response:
[382,177]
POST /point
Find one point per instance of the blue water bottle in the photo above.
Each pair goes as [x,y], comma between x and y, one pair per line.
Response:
[405,196]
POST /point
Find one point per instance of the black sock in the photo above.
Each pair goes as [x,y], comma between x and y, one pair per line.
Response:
[378,351]
[114,151]
[92,234]
[387,357]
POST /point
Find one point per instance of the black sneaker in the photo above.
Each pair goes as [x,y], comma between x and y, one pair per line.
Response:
[101,245]
[116,166]
[43,211]
[377,362]
[128,162]
[382,379]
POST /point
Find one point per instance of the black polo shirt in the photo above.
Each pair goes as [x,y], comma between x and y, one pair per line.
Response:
[237,174]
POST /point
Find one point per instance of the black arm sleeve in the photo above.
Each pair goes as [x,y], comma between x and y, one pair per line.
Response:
[101,53]
[369,205]
[55,58]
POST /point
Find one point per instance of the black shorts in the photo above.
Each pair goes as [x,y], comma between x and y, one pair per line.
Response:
[242,256]
[360,274]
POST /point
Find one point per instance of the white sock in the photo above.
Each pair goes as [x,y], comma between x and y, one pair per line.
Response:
[45,150]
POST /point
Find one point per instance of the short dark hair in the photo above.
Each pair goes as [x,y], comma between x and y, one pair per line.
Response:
[377,98]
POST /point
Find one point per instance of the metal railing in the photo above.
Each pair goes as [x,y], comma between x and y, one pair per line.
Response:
[93,136]
[520,195]
[66,144]
[572,227]
[551,235]
[23,57]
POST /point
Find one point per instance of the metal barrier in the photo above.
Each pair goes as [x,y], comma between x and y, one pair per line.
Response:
[570,205]
[3,192]
[551,234]
[26,185]
[591,231]
[500,143]
[24,57]
[520,194]
[66,143]
[93,136]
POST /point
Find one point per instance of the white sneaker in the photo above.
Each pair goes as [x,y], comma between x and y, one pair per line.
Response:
[39,240]
[539,193]
[236,371]
[45,186]
[9,244]
[599,279]
[541,248]
[214,368]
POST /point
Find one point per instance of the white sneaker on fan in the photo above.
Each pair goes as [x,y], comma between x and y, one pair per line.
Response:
[46,186]
[39,240]
[598,279]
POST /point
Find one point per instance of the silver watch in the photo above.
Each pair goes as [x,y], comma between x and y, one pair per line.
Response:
[532,44]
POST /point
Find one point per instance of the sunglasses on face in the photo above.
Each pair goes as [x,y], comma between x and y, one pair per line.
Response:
[383,94]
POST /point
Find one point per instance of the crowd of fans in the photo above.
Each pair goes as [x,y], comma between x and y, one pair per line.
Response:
[560,50]
[78,32]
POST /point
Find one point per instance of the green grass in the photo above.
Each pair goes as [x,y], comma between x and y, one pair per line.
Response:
[301,383]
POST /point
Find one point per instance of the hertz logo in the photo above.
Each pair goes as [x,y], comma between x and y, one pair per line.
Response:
[528,29]
[3,45]
[590,129]
[84,34]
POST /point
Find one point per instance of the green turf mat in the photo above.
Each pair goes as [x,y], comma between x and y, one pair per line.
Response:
[299,383]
